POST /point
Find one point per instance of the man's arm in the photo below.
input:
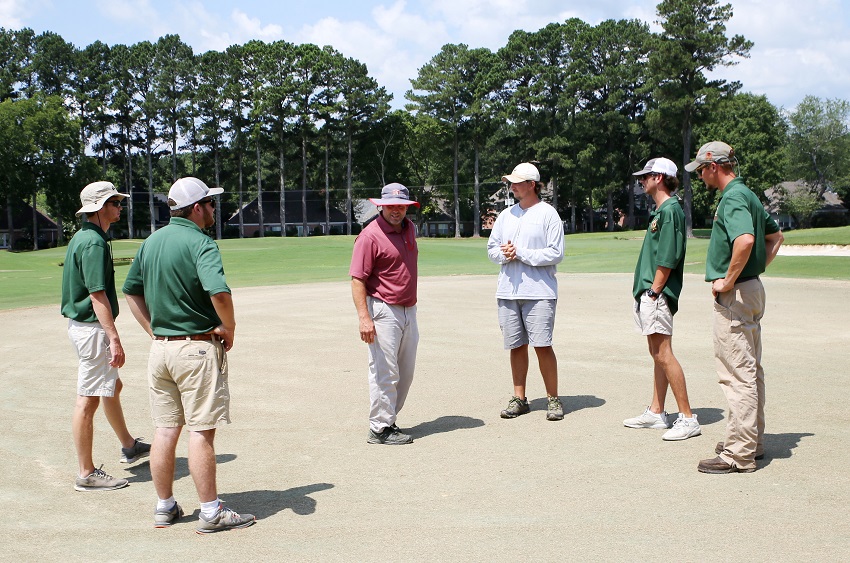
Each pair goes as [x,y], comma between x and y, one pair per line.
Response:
[741,249]
[772,242]
[103,311]
[660,280]
[223,304]
[367,326]
[140,311]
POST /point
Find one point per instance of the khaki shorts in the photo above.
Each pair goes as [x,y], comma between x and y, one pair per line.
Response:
[653,317]
[95,377]
[188,384]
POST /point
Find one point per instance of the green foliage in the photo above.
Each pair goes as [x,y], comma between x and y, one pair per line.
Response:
[801,205]
[819,143]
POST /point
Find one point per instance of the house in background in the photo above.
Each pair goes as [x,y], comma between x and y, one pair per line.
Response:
[22,221]
[316,219]
[833,213]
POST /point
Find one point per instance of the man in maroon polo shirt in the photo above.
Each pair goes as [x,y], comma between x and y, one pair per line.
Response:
[383,285]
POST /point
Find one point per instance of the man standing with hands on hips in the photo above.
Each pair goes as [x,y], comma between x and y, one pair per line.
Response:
[744,240]
[177,291]
[383,285]
[527,240]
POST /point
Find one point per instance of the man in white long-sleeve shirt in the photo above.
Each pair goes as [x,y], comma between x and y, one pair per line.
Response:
[528,241]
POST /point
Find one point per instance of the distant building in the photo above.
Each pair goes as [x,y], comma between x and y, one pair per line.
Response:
[22,221]
[832,213]
[294,220]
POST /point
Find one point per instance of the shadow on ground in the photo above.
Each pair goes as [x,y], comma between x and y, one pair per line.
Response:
[705,416]
[265,503]
[142,471]
[570,404]
[444,424]
[780,446]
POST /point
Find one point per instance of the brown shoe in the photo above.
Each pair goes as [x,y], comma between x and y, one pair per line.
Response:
[718,449]
[717,465]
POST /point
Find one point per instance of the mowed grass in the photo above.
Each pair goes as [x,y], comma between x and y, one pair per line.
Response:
[29,279]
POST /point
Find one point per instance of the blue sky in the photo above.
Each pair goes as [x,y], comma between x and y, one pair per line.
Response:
[798,49]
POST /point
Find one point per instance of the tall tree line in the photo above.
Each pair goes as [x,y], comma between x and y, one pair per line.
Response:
[587,103]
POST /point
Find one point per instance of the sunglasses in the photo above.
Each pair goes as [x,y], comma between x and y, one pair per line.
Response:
[115,202]
[702,167]
[210,201]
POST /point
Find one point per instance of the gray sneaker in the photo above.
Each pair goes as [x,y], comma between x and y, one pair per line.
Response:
[99,481]
[516,407]
[555,410]
[390,436]
[165,518]
[225,519]
[135,452]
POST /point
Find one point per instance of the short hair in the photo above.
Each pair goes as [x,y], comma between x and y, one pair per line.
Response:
[670,182]
[183,212]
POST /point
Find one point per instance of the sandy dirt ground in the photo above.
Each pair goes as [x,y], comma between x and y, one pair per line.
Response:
[472,487]
[814,250]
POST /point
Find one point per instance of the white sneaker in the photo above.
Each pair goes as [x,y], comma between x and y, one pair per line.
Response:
[647,420]
[683,429]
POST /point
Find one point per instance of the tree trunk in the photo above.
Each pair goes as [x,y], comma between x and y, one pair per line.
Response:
[34,222]
[304,182]
[241,202]
[130,207]
[455,188]
[282,190]
[610,210]
[260,217]
[630,220]
[150,189]
[217,183]
[327,190]
[348,204]
[476,210]
[689,197]
[10,221]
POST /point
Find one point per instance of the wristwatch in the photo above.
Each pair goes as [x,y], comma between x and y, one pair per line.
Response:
[652,293]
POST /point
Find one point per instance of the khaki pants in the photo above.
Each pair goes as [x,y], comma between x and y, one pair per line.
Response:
[737,352]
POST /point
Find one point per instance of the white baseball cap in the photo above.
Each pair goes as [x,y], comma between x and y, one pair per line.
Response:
[95,195]
[522,173]
[186,191]
[658,166]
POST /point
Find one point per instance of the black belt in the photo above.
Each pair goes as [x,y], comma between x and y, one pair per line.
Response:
[205,336]
[746,279]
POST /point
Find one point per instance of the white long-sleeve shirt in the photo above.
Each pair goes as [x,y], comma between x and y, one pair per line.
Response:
[537,233]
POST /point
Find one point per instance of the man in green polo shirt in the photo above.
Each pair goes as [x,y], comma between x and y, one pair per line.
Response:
[177,291]
[744,240]
[656,289]
[90,303]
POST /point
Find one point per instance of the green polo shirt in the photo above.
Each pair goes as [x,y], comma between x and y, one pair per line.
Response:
[739,212]
[177,269]
[88,269]
[664,245]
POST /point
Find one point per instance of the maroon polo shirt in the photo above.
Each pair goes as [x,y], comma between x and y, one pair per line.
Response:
[386,261]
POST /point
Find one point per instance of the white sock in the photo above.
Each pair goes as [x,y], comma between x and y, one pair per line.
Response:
[210,508]
[166,504]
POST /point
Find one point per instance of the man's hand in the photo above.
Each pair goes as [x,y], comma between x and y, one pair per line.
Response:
[367,330]
[117,351]
[226,336]
[720,286]
[508,251]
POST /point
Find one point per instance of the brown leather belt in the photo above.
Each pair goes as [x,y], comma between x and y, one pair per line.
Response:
[206,336]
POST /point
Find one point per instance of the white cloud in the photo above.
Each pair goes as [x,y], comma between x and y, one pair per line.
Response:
[798,50]
[128,10]
[13,13]
[252,28]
